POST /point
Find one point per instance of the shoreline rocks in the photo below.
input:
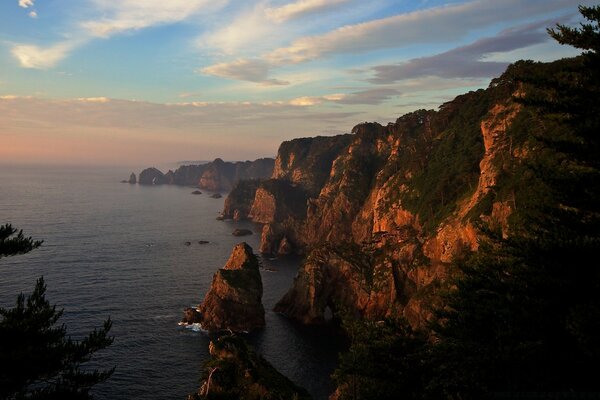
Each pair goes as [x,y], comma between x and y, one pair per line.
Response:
[241,232]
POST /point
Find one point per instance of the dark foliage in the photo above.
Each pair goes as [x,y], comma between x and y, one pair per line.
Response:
[521,315]
[11,245]
[37,358]
[385,359]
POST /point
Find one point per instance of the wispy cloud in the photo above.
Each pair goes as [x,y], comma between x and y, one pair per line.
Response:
[247,31]
[33,14]
[31,56]
[244,69]
[301,8]
[374,96]
[105,130]
[436,24]
[125,15]
[466,61]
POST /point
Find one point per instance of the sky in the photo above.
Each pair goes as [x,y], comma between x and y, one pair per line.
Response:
[147,82]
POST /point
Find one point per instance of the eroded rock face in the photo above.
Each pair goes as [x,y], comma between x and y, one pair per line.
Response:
[235,371]
[234,301]
[407,196]
[151,176]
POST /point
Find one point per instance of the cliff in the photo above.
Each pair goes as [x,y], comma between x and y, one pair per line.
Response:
[234,301]
[381,212]
[235,371]
[215,176]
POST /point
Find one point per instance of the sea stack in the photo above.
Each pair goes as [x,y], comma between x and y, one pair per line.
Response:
[234,301]
[132,179]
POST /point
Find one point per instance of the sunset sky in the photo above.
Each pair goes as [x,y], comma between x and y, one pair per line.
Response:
[143,82]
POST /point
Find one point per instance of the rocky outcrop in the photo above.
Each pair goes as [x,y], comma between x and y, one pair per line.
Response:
[241,232]
[151,176]
[382,212]
[132,179]
[234,301]
[239,201]
[307,161]
[191,316]
[235,371]
[215,176]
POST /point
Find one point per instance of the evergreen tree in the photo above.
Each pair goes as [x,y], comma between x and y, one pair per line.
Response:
[11,245]
[524,312]
[37,358]
[385,358]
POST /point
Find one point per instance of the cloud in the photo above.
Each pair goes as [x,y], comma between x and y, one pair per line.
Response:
[31,56]
[445,23]
[252,70]
[33,14]
[247,31]
[94,99]
[306,101]
[301,8]
[466,61]
[374,96]
[126,15]
[122,131]
[26,3]
[369,96]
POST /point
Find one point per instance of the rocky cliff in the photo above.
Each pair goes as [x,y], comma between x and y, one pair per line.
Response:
[381,212]
[216,175]
[234,301]
[235,371]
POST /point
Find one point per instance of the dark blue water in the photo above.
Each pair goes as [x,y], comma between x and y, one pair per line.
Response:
[113,249]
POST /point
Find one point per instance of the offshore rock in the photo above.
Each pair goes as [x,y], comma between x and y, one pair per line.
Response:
[234,301]
[132,179]
[241,232]
[191,316]
[151,176]
[235,371]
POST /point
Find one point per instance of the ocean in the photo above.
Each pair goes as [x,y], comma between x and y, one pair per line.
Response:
[118,250]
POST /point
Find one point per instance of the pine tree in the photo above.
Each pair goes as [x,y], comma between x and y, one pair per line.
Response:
[11,245]
[37,358]
[524,313]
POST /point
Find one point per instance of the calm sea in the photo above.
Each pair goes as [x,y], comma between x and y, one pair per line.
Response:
[118,250]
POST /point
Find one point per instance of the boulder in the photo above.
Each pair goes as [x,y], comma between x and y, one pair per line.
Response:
[241,232]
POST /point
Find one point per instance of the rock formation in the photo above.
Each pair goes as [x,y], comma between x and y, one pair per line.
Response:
[234,301]
[241,232]
[151,176]
[235,371]
[381,212]
[214,176]
[132,179]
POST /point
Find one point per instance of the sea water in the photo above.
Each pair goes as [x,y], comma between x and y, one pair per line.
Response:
[119,250]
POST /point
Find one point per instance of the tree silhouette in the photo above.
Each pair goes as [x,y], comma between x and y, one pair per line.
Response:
[37,358]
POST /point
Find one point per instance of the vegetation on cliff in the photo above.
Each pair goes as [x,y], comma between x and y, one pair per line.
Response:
[236,372]
[521,314]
